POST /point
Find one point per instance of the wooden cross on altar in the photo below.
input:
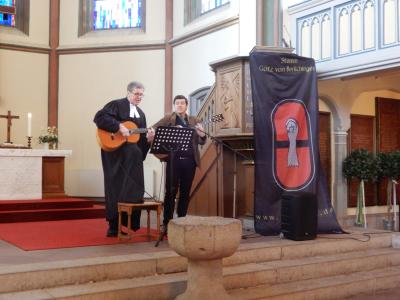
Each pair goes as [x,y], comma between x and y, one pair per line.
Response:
[9,117]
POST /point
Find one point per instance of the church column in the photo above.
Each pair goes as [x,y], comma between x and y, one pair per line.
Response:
[168,56]
[52,113]
[269,23]
[340,184]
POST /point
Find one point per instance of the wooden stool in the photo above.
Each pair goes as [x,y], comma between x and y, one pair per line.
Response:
[129,207]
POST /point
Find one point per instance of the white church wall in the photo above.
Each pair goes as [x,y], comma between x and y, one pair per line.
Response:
[364,104]
[38,27]
[154,28]
[247,26]
[87,82]
[191,60]
[23,89]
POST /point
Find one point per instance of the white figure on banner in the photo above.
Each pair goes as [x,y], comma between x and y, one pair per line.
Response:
[292,129]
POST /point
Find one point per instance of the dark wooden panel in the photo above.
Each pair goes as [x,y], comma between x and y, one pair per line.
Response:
[325,144]
[245,190]
[228,183]
[203,201]
[204,193]
[362,136]
[388,134]
[53,177]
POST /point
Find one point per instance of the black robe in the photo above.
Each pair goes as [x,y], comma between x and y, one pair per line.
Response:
[122,168]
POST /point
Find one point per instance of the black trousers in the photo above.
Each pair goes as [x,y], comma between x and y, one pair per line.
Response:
[184,169]
[135,221]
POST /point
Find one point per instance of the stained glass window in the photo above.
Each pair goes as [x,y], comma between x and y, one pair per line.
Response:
[110,14]
[7,13]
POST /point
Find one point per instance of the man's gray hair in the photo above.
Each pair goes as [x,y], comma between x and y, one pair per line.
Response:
[134,85]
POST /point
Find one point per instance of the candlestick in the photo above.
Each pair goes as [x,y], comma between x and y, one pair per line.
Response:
[30,124]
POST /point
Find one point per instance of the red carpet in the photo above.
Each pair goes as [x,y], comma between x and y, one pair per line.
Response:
[61,234]
[15,211]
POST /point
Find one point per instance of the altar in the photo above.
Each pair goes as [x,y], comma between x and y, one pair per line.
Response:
[32,173]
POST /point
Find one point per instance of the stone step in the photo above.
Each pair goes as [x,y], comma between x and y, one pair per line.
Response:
[62,203]
[46,275]
[276,272]
[38,215]
[325,244]
[334,287]
[169,286]
[236,277]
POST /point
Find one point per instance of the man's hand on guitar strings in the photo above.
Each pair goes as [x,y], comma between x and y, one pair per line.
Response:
[124,131]
[200,130]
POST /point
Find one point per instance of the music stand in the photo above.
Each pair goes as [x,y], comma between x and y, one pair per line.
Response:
[168,140]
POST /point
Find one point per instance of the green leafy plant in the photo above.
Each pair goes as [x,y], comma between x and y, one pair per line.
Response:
[50,136]
[362,165]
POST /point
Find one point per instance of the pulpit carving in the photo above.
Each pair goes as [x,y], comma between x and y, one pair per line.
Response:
[229,90]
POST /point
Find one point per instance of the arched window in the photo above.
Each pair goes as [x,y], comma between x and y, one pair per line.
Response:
[369,25]
[111,14]
[197,99]
[344,46]
[326,37]
[315,39]
[305,39]
[389,22]
[355,29]
[15,13]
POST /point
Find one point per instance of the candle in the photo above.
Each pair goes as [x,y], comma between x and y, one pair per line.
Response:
[29,124]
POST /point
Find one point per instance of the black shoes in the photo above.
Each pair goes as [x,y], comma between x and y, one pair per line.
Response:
[164,229]
[163,233]
[112,232]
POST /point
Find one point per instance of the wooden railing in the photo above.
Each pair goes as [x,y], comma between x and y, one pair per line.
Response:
[206,112]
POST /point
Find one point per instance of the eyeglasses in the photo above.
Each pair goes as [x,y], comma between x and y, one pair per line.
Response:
[141,95]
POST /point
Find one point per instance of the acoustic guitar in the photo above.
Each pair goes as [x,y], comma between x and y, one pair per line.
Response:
[213,119]
[109,141]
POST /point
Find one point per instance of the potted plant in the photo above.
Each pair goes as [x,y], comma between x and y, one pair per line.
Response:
[389,168]
[361,165]
[49,138]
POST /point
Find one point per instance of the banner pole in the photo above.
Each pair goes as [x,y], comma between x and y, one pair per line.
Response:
[363,204]
[394,203]
[234,185]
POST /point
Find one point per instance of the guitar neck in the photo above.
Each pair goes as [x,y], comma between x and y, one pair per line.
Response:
[215,119]
[137,130]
